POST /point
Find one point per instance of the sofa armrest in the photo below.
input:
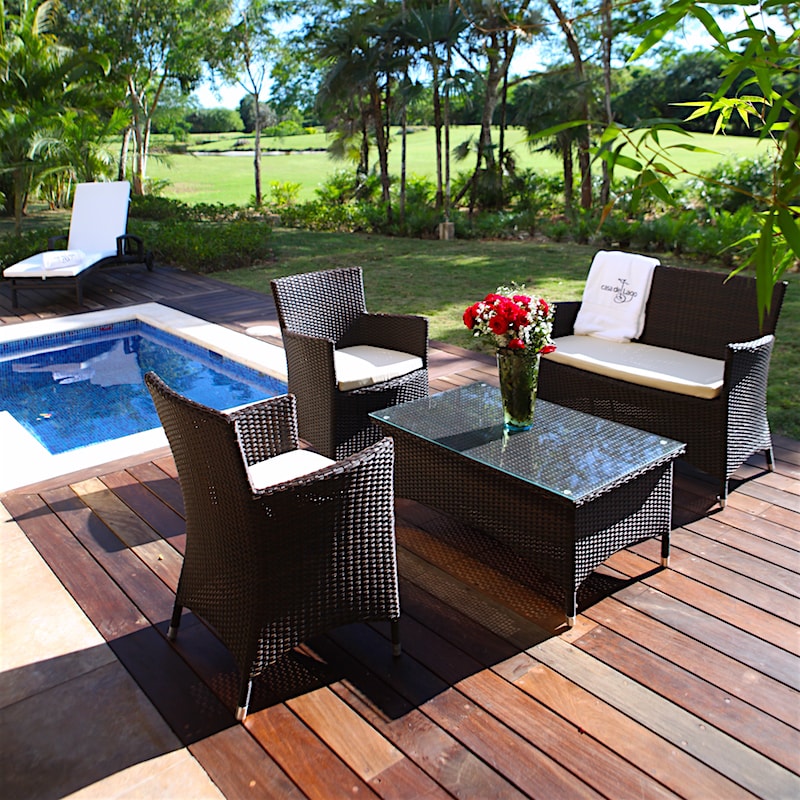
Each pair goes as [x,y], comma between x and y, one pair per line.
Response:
[564,317]
[747,367]
[405,332]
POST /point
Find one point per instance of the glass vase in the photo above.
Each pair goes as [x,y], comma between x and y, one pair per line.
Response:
[519,376]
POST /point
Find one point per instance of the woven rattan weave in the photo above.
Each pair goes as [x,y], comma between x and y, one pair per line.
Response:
[698,312]
[270,568]
[565,495]
[320,311]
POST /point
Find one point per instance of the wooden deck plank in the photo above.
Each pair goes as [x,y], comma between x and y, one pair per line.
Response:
[719,669]
[725,711]
[632,740]
[684,730]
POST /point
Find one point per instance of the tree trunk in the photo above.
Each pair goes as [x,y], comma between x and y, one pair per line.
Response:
[437,126]
[382,147]
[584,159]
[569,177]
[608,33]
[123,153]
[257,154]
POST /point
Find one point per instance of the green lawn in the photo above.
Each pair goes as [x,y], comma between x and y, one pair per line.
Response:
[439,279]
[227,178]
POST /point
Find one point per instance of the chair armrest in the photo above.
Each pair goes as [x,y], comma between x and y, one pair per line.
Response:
[564,317]
[130,245]
[405,332]
[376,464]
[52,241]
[312,380]
[267,428]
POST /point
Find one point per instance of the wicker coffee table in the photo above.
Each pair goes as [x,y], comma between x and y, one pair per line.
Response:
[565,495]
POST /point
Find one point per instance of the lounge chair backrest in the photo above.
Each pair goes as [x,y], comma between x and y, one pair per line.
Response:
[99,215]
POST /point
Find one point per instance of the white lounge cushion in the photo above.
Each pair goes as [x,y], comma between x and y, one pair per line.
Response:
[642,364]
[35,266]
[286,467]
[364,365]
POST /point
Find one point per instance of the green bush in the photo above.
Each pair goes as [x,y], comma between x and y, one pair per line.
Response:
[730,185]
[206,246]
[15,248]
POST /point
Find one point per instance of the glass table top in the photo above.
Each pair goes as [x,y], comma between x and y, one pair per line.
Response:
[566,452]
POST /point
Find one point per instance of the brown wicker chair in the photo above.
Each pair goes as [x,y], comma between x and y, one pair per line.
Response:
[268,568]
[320,312]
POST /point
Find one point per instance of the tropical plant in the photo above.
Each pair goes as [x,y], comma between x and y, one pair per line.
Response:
[41,94]
[766,64]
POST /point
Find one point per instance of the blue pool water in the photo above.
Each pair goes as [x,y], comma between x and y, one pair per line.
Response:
[80,388]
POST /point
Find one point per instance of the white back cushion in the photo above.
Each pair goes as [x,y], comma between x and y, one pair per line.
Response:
[99,215]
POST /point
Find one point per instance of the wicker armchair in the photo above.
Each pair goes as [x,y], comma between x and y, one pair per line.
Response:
[322,315]
[281,544]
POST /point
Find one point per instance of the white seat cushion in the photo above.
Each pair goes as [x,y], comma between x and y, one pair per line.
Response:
[286,467]
[35,266]
[642,364]
[364,365]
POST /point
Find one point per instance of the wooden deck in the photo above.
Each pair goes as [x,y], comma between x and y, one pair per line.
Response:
[674,683]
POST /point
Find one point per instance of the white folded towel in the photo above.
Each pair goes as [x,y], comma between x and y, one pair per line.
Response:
[55,259]
[615,296]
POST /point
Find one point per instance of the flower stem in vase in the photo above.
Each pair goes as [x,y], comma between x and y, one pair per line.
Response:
[519,374]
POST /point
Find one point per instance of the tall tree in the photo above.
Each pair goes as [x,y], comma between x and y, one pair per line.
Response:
[150,45]
[251,44]
[496,30]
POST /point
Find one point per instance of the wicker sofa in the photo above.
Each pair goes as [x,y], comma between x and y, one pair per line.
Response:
[691,313]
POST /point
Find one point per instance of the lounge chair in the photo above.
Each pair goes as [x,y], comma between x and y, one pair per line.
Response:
[344,362]
[282,544]
[97,238]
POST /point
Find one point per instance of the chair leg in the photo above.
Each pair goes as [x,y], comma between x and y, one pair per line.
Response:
[245,691]
[723,495]
[770,456]
[175,622]
[397,648]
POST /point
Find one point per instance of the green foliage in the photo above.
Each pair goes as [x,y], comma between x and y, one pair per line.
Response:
[283,193]
[16,247]
[215,120]
[206,246]
[765,67]
[732,184]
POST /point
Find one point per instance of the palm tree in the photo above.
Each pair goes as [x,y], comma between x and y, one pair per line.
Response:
[41,84]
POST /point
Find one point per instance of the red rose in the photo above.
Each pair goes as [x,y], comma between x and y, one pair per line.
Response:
[498,324]
[543,305]
[469,316]
[516,344]
[548,348]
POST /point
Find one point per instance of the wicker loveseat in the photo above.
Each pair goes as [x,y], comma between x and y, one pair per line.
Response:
[691,312]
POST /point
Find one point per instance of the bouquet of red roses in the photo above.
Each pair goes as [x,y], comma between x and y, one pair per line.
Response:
[514,320]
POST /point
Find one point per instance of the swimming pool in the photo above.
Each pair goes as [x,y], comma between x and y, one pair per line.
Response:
[84,405]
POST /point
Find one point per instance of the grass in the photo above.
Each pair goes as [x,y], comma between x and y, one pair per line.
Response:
[228,179]
[439,279]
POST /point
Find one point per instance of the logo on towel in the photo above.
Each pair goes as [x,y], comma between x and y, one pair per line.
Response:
[621,294]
